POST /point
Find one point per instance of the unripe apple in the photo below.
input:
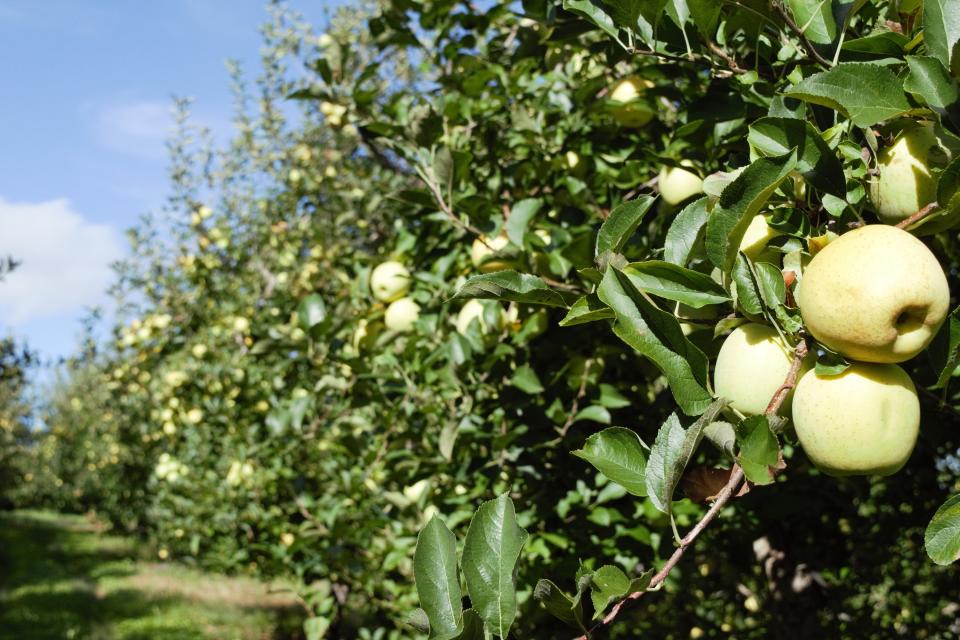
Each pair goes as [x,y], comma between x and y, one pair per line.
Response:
[875,294]
[389,281]
[864,421]
[401,314]
[756,237]
[485,248]
[629,107]
[752,364]
[905,183]
[677,184]
[474,309]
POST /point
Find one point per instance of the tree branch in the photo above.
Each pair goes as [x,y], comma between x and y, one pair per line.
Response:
[919,215]
[729,490]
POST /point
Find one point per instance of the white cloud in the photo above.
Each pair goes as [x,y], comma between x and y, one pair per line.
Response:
[139,127]
[65,260]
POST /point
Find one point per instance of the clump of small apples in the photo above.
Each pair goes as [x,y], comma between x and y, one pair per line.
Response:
[390,283]
[877,296]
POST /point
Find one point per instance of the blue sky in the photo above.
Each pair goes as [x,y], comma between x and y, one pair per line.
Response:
[84,112]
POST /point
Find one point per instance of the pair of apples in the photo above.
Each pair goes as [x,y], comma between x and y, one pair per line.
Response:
[877,296]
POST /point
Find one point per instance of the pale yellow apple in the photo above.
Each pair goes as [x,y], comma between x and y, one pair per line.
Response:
[485,248]
[756,237]
[389,281]
[629,107]
[752,364]
[677,184]
[474,309]
[864,421]
[875,294]
[401,315]
[906,183]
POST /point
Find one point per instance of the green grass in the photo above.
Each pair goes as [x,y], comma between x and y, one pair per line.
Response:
[60,578]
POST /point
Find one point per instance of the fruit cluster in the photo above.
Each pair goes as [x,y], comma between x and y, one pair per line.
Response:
[877,296]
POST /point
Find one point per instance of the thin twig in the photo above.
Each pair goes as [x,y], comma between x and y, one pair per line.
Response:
[445,208]
[575,405]
[919,215]
[783,13]
[729,490]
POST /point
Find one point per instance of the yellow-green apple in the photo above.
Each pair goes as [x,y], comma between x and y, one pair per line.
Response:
[864,421]
[875,294]
[401,314]
[752,364]
[389,281]
[474,309]
[906,183]
[629,107]
[483,253]
[676,184]
[756,237]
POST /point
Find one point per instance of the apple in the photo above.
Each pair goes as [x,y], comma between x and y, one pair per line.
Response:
[905,183]
[485,248]
[474,309]
[401,315]
[629,107]
[752,364]
[677,184]
[756,237]
[389,281]
[864,421]
[875,294]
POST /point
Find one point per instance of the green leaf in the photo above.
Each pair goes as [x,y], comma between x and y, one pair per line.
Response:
[586,309]
[611,398]
[866,93]
[815,160]
[513,287]
[592,11]
[942,538]
[490,552]
[520,216]
[657,335]
[772,288]
[526,379]
[746,290]
[673,282]
[594,412]
[685,230]
[311,313]
[315,628]
[609,584]
[759,449]
[559,604]
[621,224]
[671,452]
[930,80]
[944,350]
[618,454]
[829,363]
[435,574]
[740,201]
[815,17]
[472,627]
[941,28]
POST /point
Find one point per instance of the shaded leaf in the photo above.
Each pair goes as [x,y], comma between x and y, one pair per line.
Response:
[609,584]
[526,379]
[559,604]
[684,232]
[623,221]
[941,28]
[944,350]
[815,160]
[657,335]
[511,286]
[759,449]
[588,308]
[520,216]
[618,454]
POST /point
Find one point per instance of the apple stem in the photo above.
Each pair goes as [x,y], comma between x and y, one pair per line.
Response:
[723,497]
[919,215]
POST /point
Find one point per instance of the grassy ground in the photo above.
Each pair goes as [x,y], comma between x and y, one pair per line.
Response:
[62,579]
